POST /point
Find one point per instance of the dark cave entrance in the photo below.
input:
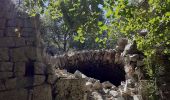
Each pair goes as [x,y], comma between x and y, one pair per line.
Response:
[104,72]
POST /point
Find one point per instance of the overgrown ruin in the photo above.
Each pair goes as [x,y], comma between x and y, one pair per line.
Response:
[27,74]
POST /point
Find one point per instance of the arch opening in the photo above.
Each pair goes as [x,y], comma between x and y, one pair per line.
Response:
[113,73]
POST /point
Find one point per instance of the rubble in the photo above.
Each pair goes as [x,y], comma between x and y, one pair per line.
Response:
[96,90]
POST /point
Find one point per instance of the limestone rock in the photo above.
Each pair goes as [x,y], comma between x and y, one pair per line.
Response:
[114,93]
[42,92]
[18,55]
[127,59]
[143,32]
[97,85]
[39,68]
[24,82]
[39,79]
[7,42]
[106,90]
[97,96]
[70,89]
[92,80]
[88,86]
[4,54]
[122,42]
[4,75]
[19,41]
[114,88]
[107,85]
[119,98]
[134,57]
[6,66]
[52,79]
[19,69]
[130,48]
[137,97]
[78,74]
[11,83]
[20,94]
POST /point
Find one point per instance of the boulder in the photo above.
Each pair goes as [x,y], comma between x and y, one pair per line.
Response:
[88,86]
[107,85]
[97,96]
[130,48]
[92,80]
[78,74]
[137,97]
[97,85]
[122,42]
[114,93]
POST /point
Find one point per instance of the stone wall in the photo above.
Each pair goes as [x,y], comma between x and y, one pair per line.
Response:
[23,72]
[103,63]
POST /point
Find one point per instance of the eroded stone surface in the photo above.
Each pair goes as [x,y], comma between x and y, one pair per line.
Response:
[42,92]
[20,94]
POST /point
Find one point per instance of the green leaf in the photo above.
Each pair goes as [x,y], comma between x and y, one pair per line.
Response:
[109,13]
[104,27]
[81,40]
[71,9]
[100,23]
[33,14]
[97,39]
[76,38]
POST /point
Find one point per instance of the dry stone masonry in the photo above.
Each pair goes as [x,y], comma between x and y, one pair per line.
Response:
[22,72]
[100,64]
[27,74]
[124,59]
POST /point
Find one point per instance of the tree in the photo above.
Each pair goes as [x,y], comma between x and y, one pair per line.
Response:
[80,17]
[55,35]
[148,23]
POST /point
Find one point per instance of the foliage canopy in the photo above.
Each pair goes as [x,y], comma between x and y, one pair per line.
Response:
[145,21]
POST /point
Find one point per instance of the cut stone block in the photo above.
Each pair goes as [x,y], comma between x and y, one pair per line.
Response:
[6,66]
[42,92]
[4,54]
[20,94]
[19,69]
[4,75]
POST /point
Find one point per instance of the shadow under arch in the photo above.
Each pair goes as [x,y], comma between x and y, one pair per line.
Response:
[96,64]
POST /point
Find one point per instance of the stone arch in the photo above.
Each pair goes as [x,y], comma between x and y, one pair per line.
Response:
[98,64]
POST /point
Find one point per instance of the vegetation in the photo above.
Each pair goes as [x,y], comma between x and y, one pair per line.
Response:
[71,24]
[98,23]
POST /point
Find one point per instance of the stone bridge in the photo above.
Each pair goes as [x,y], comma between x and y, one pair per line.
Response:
[26,73]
